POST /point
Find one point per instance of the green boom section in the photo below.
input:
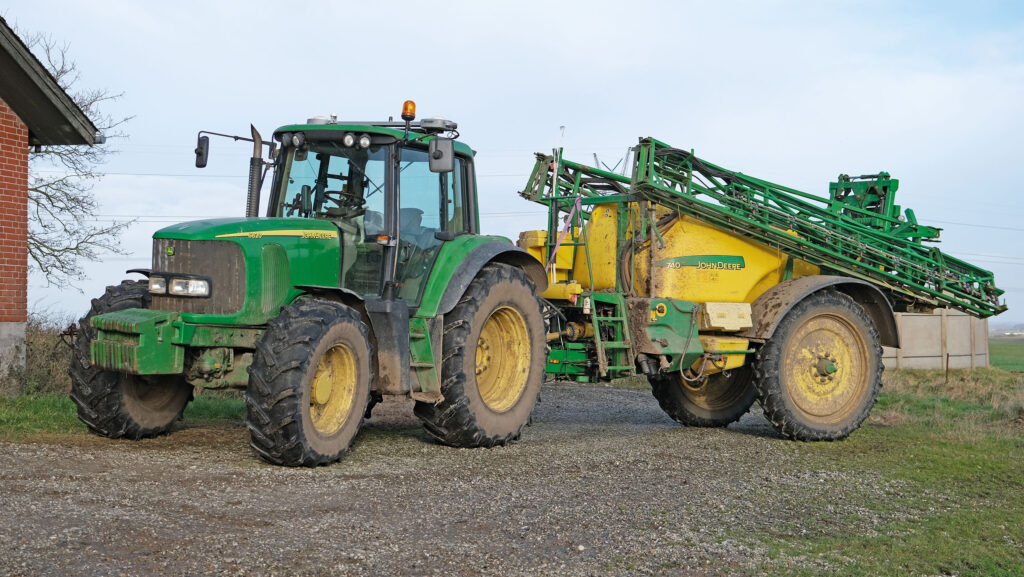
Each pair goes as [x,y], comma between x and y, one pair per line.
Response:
[857,232]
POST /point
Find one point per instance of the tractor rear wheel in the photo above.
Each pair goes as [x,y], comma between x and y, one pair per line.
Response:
[115,404]
[819,375]
[715,401]
[493,362]
[309,384]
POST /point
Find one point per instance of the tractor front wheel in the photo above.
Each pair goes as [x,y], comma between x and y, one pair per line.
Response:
[819,374]
[114,404]
[494,354]
[309,384]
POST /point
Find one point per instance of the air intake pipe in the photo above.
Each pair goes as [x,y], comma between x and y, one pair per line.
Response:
[252,203]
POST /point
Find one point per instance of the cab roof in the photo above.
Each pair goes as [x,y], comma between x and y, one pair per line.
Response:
[393,129]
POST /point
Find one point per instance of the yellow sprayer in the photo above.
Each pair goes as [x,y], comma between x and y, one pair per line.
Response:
[722,289]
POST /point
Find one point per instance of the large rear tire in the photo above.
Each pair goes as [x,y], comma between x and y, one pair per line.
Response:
[716,401]
[494,355]
[309,384]
[114,404]
[819,375]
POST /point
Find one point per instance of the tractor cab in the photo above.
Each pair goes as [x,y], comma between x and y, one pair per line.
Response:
[393,185]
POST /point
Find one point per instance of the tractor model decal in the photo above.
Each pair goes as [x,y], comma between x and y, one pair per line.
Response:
[704,261]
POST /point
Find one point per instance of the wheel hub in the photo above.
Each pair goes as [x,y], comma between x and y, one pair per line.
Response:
[825,367]
[502,364]
[483,357]
[333,389]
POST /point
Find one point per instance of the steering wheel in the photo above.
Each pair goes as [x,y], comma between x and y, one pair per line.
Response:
[341,198]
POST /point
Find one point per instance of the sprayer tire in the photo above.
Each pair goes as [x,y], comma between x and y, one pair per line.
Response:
[493,362]
[819,375]
[114,404]
[721,399]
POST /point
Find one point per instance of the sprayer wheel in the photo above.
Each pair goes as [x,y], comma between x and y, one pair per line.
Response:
[715,401]
[819,375]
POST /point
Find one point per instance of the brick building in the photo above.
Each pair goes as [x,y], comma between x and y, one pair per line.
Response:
[34,111]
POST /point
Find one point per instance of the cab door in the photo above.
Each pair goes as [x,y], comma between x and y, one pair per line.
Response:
[432,208]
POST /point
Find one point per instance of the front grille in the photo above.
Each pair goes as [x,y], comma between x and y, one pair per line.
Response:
[220,261]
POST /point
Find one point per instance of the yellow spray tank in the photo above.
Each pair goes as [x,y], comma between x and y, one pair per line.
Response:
[693,261]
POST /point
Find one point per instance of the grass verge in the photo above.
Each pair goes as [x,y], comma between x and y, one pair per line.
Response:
[51,413]
[956,450]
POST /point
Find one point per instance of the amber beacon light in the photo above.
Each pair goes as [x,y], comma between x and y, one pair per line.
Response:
[409,110]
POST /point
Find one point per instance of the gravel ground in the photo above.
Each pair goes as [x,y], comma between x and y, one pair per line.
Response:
[602,483]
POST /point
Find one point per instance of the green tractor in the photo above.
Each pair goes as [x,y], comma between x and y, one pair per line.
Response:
[367,277]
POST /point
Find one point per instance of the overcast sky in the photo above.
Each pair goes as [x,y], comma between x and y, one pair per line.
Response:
[792,92]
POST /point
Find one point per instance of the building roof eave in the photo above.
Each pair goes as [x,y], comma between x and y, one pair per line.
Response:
[50,114]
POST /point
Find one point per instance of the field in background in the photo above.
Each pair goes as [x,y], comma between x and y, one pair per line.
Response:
[1007,353]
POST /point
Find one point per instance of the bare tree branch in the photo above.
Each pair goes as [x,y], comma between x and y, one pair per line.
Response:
[63,229]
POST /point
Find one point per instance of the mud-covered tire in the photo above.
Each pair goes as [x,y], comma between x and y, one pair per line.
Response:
[114,404]
[819,375]
[721,399]
[309,384]
[493,362]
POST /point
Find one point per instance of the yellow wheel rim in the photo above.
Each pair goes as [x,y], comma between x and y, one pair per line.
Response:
[503,359]
[825,368]
[716,392]
[334,386]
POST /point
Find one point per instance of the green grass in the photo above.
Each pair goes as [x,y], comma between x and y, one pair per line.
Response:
[957,452]
[54,413]
[1007,353]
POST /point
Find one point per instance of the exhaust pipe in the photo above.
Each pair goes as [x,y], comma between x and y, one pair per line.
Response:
[252,203]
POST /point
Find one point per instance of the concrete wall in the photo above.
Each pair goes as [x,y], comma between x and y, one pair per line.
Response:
[13,237]
[928,338]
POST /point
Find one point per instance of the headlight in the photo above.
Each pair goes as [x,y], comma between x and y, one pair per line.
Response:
[157,285]
[348,140]
[364,141]
[190,287]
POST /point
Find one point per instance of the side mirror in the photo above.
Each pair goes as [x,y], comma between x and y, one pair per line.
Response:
[441,152]
[306,199]
[202,151]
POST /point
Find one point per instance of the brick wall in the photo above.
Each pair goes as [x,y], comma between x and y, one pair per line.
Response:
[13,215]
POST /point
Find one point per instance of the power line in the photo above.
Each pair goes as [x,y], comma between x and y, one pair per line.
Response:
[239,176]
[1016,258]
[979,225]
[202,216]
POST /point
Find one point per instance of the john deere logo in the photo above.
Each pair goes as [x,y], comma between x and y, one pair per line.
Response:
[170,251]
[704,262]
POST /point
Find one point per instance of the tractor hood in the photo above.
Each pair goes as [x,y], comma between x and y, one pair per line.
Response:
[253,265]
[250,228]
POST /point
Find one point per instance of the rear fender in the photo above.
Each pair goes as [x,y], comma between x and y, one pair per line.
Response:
[771,307]
[495,251]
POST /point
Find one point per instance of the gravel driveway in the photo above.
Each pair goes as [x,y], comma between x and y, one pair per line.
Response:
[602,483]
